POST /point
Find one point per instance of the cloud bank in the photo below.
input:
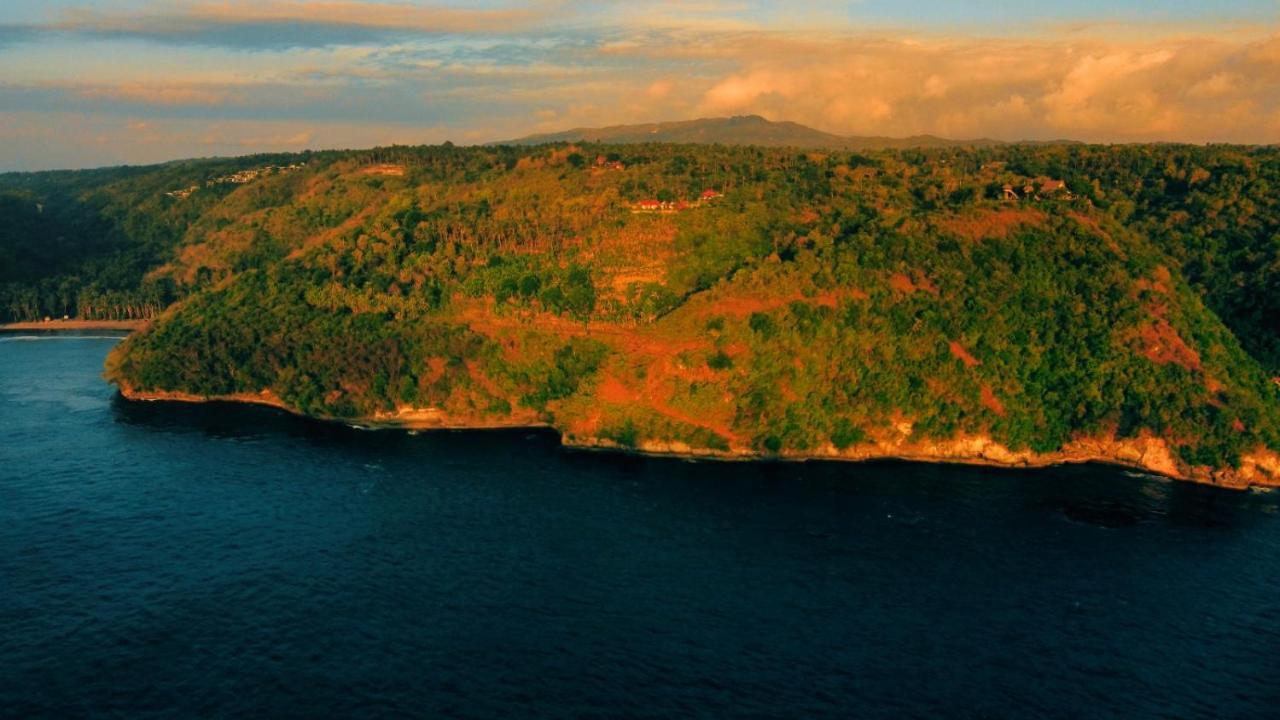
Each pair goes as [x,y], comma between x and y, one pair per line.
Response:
[1189,89]
[345,73]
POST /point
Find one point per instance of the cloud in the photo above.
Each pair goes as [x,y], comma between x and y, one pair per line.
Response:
[1116,87]
[1219,84]
[287,139]
[294,23]
[659,89]
[42,140]
[507,70]
[14,34]
[366,14]
[743,91]
[1185,88]
[151,94]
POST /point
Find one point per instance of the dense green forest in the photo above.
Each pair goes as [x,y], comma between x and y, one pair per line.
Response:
[1035,294]
[82,243]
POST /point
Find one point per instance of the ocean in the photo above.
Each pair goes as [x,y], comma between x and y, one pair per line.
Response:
[162,560]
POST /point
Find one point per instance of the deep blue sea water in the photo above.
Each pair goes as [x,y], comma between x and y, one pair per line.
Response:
[159,560]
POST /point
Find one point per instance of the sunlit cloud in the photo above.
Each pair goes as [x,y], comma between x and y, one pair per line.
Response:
[64,140]
[159,94]
[284,23]
[1010,89]
[500,69]
[287,139]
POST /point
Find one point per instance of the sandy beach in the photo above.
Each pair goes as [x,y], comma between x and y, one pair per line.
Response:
[76,325]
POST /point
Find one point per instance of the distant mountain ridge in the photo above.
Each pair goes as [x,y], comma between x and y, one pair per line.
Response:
[743,130]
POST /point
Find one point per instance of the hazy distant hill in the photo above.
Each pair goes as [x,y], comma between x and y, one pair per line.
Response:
[742,130]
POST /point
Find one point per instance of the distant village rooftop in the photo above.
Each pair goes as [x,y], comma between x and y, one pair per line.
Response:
[237,178]
[674,206]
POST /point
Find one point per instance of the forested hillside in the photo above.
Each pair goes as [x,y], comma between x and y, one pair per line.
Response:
[81,243]
[1066,301]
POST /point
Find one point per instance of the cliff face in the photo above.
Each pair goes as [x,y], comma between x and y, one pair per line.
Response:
[1151,454]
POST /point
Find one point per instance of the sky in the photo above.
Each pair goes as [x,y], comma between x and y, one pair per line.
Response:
[86,83]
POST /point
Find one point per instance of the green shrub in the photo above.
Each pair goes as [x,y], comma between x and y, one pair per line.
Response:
[719,360]
[846,434]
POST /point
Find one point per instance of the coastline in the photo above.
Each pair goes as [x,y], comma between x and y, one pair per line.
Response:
[131,325]
[426,419]
[1145,453]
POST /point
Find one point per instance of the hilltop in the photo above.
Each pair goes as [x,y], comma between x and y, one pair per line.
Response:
[741,130]
[1008,305]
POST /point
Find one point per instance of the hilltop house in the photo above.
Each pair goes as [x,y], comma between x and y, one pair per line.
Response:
[708,195]
[1048,186]
[1037,189]
[1053,187]
[184,193]
[604,163]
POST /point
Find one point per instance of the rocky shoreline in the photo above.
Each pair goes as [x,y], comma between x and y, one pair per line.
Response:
[1145,453]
